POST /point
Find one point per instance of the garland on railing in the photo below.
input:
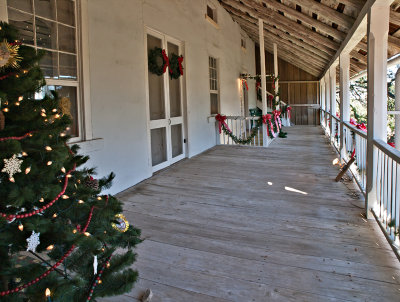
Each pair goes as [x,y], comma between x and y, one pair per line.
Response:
[273,129]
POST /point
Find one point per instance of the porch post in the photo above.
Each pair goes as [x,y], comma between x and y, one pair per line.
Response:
[327,99]
[332,77]
[276,74]
[263,78]
[377,33]
[323,106]
[397,108]
[344,66]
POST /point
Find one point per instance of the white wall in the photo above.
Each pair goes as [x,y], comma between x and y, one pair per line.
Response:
[117,77]
[116,73]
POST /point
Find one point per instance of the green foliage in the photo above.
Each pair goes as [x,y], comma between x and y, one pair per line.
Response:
[60,223]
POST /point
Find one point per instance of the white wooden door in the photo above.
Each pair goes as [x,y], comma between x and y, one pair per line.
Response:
[165,108]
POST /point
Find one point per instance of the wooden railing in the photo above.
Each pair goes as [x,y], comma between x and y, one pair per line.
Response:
[387,207]
[356,139]
[386,181]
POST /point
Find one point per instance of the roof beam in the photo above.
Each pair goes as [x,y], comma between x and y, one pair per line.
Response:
[282,23]
[326,12]
[319,25]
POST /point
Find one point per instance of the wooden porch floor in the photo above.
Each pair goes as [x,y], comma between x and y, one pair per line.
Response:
[215,230]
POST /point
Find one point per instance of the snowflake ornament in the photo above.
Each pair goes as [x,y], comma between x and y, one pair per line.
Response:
[33,242]
[12,166]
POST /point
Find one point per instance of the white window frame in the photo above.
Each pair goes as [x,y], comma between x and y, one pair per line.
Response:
[82,57]
[214,91]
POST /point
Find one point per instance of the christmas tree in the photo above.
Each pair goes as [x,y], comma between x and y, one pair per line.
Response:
[58,233]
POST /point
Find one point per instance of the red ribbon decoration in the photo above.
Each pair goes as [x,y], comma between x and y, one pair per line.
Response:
[244,82]
[17,138]
[267,119]
[362,127]
[289,110]
[180,60]
[166,60]
[277,119]
[353,153]
[221,121]
[353,122]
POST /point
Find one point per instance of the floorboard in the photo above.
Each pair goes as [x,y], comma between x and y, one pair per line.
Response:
[258,224]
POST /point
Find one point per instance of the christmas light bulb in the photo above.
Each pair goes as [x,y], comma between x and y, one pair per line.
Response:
[5,109]
[63,170]
[69,176]
[108,264]
[87,234]
[65,197]
[27,170]
[21,227]
[68,128]
[41,200]
[50,247]
[99,198]
[74,231]
[17,103]
[54,215]
[54,110]
[48,148]
[100,281]
[62,134]
[24,153]
[57,115]
[49,163]
[12,179]
[81,201]
[20,98]
[43,114]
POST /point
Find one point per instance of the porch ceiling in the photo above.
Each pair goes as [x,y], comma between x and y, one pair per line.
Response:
[308,32]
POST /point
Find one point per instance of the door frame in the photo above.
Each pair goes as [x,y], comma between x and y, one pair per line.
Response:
[176,120]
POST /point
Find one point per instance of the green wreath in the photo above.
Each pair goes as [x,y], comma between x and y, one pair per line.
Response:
[154,61]
[174,70]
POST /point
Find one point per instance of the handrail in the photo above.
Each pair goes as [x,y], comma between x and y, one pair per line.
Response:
[393,153]
[238,117]
[356,130]
[336,118]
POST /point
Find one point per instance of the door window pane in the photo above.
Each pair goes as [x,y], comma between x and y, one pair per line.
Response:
[177,141]
[156,86]
[174,87]
[158,146]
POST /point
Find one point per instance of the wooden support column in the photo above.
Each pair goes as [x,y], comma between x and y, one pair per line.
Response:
[344,84]
[397,108]
[377,33]
[263,76]
[332,78]
[276,73]
[327,99]
[323,106]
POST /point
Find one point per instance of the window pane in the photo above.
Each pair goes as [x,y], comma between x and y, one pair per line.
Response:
[66,38]
[69,101]
[46,9]
[49,64]
[46,34]
[174,87]
[156,86]
[24,5]
[214,103]
[67,66]
[24,23]
[66,11]
[177,142]
[158,146]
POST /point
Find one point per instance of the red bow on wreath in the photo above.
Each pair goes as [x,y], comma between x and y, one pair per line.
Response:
[180,60]
[166,60]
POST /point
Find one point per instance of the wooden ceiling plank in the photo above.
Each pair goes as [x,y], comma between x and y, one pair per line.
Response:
[284,24]
[327,12]
[323,55]
[353,4]
[395,18]
[319,25]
